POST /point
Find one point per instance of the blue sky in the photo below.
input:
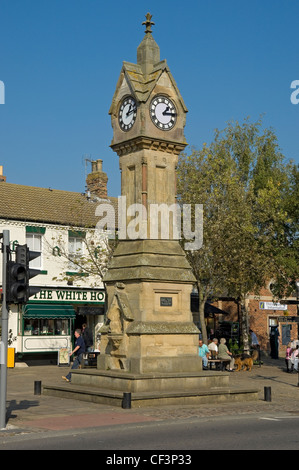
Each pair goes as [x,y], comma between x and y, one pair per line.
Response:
[60,61]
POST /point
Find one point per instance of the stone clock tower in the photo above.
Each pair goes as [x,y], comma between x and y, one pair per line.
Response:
[149,345]
[149,280]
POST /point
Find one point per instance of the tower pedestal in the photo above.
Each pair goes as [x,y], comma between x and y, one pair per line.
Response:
[149,327]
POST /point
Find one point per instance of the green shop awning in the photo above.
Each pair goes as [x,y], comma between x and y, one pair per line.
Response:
[48,311]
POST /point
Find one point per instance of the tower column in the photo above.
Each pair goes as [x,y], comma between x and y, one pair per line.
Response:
[149,325]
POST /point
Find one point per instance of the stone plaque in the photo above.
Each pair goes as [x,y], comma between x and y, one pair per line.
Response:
[165,301]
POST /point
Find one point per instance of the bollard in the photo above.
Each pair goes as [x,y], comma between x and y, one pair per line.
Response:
[126,402]
[37,387]
[267,393]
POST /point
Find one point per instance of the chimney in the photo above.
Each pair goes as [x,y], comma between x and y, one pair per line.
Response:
[96,181]
[2,178]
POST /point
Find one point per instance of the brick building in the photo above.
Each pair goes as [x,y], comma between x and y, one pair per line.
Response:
[264,313]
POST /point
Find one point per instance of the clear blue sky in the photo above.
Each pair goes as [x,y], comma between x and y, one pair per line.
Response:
[60,61]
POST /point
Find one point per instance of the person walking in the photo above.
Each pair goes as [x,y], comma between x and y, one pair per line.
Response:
[254,340]
[274,342]
[87,336]
[78,350]
[288,358]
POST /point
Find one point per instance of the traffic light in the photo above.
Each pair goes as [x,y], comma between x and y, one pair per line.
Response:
[18,275]
[15,283]
[23,257]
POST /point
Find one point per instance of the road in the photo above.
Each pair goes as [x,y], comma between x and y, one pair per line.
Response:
[243,432]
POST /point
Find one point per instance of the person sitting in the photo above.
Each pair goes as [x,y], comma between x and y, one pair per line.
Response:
[295,358]
[204,353]
[224,353]
[213,348]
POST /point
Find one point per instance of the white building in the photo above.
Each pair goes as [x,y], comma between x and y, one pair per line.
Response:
[61,226]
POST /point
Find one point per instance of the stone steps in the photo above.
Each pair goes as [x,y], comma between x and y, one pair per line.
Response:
[150,398]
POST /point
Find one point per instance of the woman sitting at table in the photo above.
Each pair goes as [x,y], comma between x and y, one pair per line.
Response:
[223,353]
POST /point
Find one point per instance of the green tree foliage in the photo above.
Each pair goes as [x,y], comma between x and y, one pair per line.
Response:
[250,223]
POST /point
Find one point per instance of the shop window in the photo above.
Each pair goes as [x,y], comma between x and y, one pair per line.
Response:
[46,327]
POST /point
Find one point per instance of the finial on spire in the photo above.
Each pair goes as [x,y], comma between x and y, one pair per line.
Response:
[148,23]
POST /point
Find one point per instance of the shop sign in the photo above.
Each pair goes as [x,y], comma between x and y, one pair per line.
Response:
[272,306]
[69,296]
[288,319]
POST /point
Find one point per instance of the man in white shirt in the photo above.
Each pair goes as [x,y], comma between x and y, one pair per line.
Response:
[213,346]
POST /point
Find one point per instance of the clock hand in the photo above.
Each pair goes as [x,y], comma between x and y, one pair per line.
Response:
[166,113]
[127,114]
[131,110]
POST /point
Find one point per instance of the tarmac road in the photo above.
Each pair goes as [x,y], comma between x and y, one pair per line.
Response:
[235,432]
[34,416]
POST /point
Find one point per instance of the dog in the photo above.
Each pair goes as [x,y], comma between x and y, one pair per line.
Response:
[244,362]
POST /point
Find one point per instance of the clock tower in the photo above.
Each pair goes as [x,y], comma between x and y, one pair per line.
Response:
[149,343]
[149,325]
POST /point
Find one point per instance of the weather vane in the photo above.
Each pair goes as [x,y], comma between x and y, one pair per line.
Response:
[148,23]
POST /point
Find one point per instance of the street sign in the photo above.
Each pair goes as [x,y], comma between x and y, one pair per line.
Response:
[272,306]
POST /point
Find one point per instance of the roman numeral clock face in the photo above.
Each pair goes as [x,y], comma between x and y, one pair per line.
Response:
[127,113]
[163,113]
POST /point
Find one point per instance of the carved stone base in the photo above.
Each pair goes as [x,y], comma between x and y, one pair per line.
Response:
[149,324]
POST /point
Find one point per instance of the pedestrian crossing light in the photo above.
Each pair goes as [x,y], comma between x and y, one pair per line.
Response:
[18,275]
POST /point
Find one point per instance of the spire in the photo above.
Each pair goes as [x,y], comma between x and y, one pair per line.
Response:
[148,52]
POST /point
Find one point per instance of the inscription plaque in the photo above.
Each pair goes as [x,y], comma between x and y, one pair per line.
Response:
[165,301]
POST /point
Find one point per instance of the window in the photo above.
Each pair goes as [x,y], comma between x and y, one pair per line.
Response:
[273,321]
[34,243]
[75,252]
[46,327]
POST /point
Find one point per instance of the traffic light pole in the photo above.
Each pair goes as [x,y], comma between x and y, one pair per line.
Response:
[4,334]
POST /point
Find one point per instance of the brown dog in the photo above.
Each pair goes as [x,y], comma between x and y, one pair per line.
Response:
[243,363]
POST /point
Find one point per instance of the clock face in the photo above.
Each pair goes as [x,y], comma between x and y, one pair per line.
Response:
[163,112]
[127,113]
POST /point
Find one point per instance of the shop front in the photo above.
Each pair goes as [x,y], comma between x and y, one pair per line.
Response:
[47,322]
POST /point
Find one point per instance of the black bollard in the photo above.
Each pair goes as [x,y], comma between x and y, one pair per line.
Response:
[267,393]
[126,402]
[37,387]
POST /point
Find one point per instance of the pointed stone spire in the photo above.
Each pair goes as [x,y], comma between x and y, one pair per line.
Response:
[148,52]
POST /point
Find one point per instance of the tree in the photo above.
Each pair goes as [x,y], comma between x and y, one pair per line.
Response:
[287,243]
[89,258]
[242,180]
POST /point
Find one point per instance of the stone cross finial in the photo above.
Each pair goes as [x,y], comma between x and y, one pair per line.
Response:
[148,23]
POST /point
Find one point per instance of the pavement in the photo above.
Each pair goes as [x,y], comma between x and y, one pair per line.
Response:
[28,412]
